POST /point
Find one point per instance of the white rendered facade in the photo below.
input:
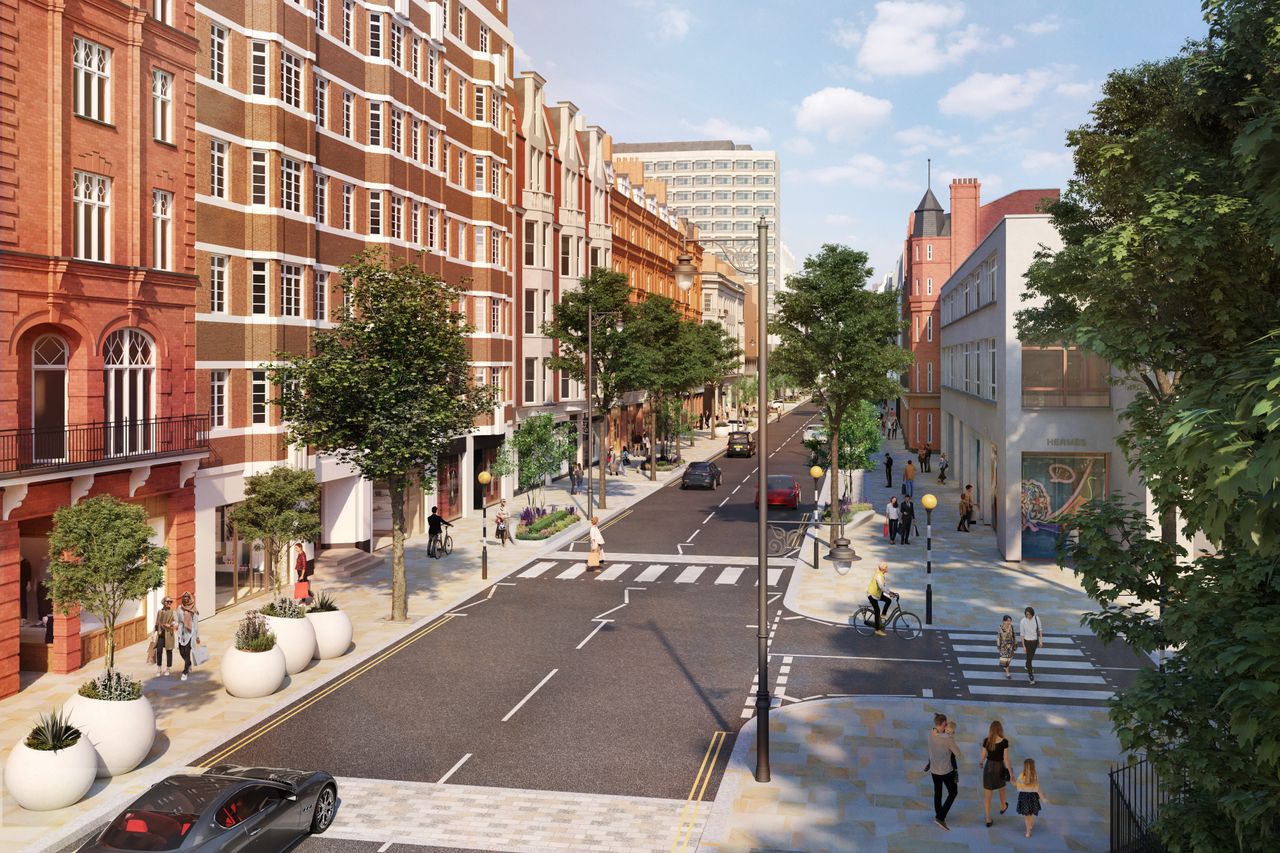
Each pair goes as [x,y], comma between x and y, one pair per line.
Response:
[1031,447]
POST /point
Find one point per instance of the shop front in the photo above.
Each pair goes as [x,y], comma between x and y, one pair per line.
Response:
[1053,487]
[238,565]
[448,481]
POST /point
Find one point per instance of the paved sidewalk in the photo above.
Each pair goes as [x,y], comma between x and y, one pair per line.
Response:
[195,716]
[972,584]
[847,775]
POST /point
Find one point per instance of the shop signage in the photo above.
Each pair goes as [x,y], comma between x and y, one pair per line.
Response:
[1066,442]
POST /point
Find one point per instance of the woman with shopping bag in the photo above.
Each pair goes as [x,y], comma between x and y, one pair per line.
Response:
[595,557]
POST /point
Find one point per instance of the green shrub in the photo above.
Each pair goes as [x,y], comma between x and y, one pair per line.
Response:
[284,608]
[112,686]
[53,732]
[323,603]
[253,635]
[548,525]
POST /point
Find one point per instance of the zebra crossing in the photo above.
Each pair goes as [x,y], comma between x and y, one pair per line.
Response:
[1064,671]
[706,573]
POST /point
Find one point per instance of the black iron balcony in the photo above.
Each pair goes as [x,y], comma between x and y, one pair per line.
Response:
[25,451]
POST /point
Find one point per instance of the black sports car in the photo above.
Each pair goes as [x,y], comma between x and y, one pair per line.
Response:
[229,808]
[705,475]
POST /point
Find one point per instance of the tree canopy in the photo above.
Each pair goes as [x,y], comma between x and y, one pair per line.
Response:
[539,447]
[280,507]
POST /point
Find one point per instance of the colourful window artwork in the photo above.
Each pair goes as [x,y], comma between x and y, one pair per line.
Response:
[1053,487]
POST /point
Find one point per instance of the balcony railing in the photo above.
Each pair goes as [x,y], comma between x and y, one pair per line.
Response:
[86,445]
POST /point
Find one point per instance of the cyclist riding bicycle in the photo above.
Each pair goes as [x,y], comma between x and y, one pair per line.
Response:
[435,527]
[878,591]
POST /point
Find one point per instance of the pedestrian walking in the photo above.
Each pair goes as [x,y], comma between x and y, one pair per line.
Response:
[165,628]
[909,479]
[1006,644]
[943,465]
[928,458]
[942,750]
[302,571]
[906,519]
[188,631]
[996,769]
[626,460]
[966,507]
[878,591]
[574,473]
[1029,795]
[892,513]
[500,524]
[951,733]
[920,456]
[595,558]
[888,471]
[1032,637]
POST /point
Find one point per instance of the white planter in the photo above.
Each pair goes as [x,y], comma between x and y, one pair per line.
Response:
[333,633]
[121,732]
[44,781]
[722,432]
[250,675]
[296,638]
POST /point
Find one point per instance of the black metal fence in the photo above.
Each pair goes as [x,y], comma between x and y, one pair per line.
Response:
[1136,800]
[82,445]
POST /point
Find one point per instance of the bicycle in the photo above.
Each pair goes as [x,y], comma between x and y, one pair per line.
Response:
[905,624]
[440,544]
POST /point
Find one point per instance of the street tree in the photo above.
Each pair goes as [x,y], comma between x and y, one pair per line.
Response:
[100,557]
[280,507]
[538,449]
[608,295]
[859,438]
[839,339]
[389,388]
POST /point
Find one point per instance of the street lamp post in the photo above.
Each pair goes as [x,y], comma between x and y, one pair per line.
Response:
[484,478]
[928,502]
[816,473]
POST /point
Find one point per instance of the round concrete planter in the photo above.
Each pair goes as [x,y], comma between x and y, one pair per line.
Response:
[722,432]
[296,638]
[250,675]
[43,781]
[121,732]
[333,633]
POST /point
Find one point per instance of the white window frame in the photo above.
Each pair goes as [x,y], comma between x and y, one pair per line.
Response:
[320,294]
[320,202]
[348,15]
[161,105]
[375,124]
[396,129]
[431,227]
[348,206]
[322,102]
[217,54]
[348,109]
[259,279]
[258,397]
[91,214]
[484,39]
[432,69]
[397,44]
[291,79]
[258,83]
[395,216]
[217,284]
[217,168]
[217,399]
[259,169]
[375,34]
[290,290]
[322,7]
[291,184]
[415,226]
[161,230]
[162,11]
[375,213]
[91,63]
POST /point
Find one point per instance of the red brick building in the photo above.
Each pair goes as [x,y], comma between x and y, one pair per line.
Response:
[97,298]
[937,244]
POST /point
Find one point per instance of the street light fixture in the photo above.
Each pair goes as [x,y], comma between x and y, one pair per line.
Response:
[484,478]
[816,473]
[928,502]
[685,272]
[842,555]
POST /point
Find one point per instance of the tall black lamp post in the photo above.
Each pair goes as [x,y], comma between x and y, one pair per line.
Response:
[484,478]
[928,502]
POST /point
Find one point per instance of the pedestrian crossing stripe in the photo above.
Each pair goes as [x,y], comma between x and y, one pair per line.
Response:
[613,572]
[730,575]
[536,569]
[973,636]
[1072,652]
[690,575]
[572,572]
[1057,678]
[775,575]
[1006,690]
[716,575]
[1046,664]
[651,574]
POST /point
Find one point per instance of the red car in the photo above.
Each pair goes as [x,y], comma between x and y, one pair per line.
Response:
[783,491]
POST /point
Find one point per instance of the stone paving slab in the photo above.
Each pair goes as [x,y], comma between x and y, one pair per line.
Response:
[840,788]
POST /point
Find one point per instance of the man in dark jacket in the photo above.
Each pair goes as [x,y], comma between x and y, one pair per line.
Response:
[888,471]
[906,518]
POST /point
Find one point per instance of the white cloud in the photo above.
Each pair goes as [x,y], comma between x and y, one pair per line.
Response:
[1077,90]
[798,145]
[718,128]
[921,138]
[846,34]
[911,38]
[840,113]
[860,170]
[1054,162]
[982,95]
[1047,24]
[673,23]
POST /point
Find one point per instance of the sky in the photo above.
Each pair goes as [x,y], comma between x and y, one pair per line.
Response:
[854,96]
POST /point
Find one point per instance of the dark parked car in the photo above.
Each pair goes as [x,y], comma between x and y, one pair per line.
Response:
[703,475]
[228,808]
[741,444]
[783,491]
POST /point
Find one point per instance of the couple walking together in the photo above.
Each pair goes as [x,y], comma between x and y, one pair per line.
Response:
[997,771]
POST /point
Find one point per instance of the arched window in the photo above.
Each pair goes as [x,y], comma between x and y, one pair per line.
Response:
[49,398]
[128,392]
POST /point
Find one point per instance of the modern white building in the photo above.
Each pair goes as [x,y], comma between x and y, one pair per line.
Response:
[1032,429]
[723,188]
[724,300]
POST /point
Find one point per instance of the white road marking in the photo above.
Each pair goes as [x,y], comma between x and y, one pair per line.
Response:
[651,574]
[709,517]
[1054,664]
[572,572]
[775,575]
[529,695]
[610,610]
[385,847]
[472,604]
[969,637]
[775,598]
[789,618]
[626,593]
[690,575]
[725,501]
[1044,676]
[927,692]
[613,572]
[730,575]
[443,779]
[603,622]
[856,657]
[1054,652]
[692,535]
[1033,692]
[535,570]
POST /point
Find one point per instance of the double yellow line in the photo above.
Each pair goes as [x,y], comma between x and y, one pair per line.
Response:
[249,738]
[684,832]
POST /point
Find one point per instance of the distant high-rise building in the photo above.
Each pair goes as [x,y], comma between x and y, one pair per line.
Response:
[723,188]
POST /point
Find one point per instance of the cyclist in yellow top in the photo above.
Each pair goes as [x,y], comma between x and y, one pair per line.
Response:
[878,591]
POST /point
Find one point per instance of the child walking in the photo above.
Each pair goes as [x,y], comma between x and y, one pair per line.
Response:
[1029,795]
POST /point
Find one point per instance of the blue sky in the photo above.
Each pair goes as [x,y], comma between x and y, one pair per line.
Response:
[853,95]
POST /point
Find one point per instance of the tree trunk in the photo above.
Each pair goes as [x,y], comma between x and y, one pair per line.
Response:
[399,591]
[833,477]
[109,640]
[653,442]
[604,454]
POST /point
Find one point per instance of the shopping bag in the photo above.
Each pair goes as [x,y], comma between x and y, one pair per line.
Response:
[886,530]
[593,558]
[302,589]
[151,650]
[199,654]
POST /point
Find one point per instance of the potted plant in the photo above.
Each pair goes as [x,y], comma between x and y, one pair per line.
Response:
[111,712]
[332,626]
[254,665]
[52,767]
[100,557]
[294,635]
